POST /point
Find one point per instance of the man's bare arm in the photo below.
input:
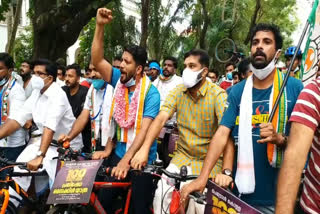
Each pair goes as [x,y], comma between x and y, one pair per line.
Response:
[139,139]
[216,147]
[228,155]
[104,16]
[79,124]
[295,157]
[155,129]
[141,157]
[46,139]
[8,128]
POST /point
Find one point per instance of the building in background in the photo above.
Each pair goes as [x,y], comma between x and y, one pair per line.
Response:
[24,21]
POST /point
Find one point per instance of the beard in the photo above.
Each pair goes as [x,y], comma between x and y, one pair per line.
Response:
[166,73]
[25,76]
[259,64]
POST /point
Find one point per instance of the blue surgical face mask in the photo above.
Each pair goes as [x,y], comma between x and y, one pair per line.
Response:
[89,80]
[130,83]
[98,83]
[3,81]
[229,76]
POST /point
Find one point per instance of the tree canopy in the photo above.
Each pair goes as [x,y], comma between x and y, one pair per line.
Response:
[57,24]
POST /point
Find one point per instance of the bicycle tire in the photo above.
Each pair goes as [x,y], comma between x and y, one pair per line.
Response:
[225,50]
[63,209]
[11,209]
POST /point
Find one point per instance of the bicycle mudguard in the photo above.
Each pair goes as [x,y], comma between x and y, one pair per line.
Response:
[175,206]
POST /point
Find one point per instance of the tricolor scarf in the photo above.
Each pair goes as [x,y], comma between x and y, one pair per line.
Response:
[245,176]
[279,121]
[129,116]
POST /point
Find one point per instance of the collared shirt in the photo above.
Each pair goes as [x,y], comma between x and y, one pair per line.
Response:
[98,96]
[164,87]
[50,109]
[16,100]
[197,121]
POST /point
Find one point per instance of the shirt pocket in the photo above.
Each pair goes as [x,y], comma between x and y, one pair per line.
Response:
[206,127]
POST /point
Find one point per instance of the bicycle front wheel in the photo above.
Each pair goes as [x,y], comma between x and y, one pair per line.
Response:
[225,50]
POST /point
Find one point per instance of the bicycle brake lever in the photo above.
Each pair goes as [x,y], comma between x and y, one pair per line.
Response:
[198,197]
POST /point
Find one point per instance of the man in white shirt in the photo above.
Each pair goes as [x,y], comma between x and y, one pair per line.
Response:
[96,109]
[12,98]
[61,75]
[168,80]
[49,107]
[25,72]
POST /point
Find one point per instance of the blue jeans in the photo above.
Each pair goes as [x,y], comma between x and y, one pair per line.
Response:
[11,153]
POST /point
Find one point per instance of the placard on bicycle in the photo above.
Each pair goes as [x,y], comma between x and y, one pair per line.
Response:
[220,201]
[74,182]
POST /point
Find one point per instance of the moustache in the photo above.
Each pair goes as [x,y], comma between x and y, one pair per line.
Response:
[259,53]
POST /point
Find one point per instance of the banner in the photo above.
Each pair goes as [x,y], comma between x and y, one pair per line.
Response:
[311,54]
[74,182]
[220,201]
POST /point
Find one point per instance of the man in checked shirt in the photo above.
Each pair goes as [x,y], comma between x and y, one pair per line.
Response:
[199,105]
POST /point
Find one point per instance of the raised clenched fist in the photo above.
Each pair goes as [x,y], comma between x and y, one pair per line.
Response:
[104,16]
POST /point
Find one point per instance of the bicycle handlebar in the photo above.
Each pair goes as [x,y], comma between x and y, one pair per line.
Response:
[22,165]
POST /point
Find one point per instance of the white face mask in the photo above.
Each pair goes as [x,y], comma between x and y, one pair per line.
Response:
[37,82]
[191,78]
[262,73]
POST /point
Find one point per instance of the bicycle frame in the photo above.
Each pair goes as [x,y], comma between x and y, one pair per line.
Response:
[6,196]
[94,201]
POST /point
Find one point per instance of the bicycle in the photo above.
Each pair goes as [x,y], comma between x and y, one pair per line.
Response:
[226,51]
[94,205]
[8,206]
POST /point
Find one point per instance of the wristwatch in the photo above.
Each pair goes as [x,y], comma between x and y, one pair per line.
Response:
[42,154]
[227,172]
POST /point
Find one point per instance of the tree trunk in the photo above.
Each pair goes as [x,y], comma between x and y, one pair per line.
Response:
[144,22]
[223,9]
[234,10]
[202,41]
[9,25]
[253,21]
[56,28]
[16,21]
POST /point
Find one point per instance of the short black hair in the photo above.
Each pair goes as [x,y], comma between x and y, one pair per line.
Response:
[29,62]
[138,53]
[173,59]
[51,68]
[243,66]
[268,27]
[7,60]
[228,64]
[235,73]
[204,56]
[117,58]
[214,71]
[76,67]
[62,68]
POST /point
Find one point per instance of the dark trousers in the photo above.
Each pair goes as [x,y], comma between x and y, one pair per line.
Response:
[142,191]
[11,153]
